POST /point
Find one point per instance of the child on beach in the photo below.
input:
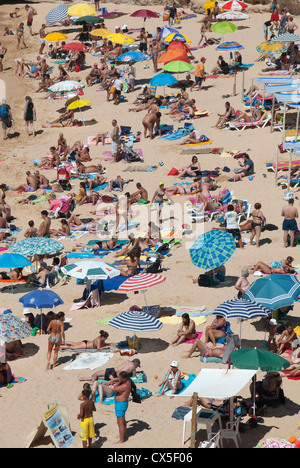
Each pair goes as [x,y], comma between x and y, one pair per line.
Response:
[87,428]
[272,345]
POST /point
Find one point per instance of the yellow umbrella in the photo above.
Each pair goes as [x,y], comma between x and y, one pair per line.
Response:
[55,37]
[271,47]
[81,9]
[101,32]
[170,37]
[118,38]
[78,104]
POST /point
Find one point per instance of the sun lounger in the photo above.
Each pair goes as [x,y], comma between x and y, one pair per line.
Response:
[294,182]
[241,125]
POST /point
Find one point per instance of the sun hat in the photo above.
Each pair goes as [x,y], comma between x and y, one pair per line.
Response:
[26,311]
[273,322]
[174,364]
[137,361]
[245,271]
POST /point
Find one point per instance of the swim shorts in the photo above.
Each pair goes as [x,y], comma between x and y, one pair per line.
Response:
[289,225]
[120,408]
[235,232]
[29,21]
[87,429]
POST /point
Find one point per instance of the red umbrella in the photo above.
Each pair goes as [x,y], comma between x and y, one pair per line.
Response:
[145,14]
[233,5]
[75,46]
[141,281]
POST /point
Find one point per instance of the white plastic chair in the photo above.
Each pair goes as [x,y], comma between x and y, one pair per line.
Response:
[214,442]
[231,432]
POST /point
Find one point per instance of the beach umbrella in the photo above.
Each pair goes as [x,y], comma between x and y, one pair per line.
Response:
[55,37]
[145,14]
[230,47]
[271,47]
[41,299]
[233,5]
[223,27]
[81,9]
[13,260]
[136,321]
[178,66]
[274,291]
[37,245]
[232,16]
[166,31]
[258,359]
[212,249]
[13,328]
[163,79]
[79,105]
[57,14]
[173,54]
[134,55]
[287,37]
[141,282]
[89,20]
[91,269]
[119,38]
[65,87]
[177,37]
[76,46]
[101,32]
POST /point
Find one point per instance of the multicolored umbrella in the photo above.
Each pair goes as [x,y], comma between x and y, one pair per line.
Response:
[141,282]
[55,37]
[91,269]
[134,55]
[136,321]
[232,16]
[13,328]
[65,87]
[76,46]
[37,245]
[57,14]
[119,38]
[229,47]
[177,37]
[212,249]
[271,47]
[178,66]
[166,31]
[233,5]
[274,291]
[81,9]
[223,27]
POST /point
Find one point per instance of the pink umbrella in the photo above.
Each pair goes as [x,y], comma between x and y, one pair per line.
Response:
[233,5]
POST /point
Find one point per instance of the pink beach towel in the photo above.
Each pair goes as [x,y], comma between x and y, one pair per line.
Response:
[198,336]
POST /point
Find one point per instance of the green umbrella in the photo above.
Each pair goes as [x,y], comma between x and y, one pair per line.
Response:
[253,358]
[88,20]
[178,66]
[223,27]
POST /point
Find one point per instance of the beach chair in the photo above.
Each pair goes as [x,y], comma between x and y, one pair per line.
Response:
[241,126]
[284,182]
[245,214]
[231,432]
[214,442]
[153,90]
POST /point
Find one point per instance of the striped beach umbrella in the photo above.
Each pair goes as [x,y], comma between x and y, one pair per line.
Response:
[91,269]
[271,47]
[287,37]
[229,47]
[177,37]
[57,14]
[212,249]
[136,321]
[232,16]
[274,291]
[233,5]
[141,282]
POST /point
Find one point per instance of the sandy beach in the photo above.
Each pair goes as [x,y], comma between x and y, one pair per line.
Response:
[149,424]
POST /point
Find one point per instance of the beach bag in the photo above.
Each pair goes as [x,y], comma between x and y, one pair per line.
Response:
[173,171]
[144,393]
[127,352]
[4,111]
[134,342]
[204,280]
[204,138]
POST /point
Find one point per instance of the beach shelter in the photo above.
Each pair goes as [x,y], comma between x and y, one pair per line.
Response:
[212,249]
[13,260]
[81,9]
[41,299]
[233,5]
[55,37]
[274,291]
[101,32]
[271,47]
[91,269]
[65,87]
[57,14]
[223,27]
[37,245]
[119,38]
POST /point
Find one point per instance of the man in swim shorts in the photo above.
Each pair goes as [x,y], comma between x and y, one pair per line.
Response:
[122,391]
[289,225]
[87,428]
[30,12]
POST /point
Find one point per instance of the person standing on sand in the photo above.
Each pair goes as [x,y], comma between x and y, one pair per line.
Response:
[29,115]
[87,428]
[30,13]
[199,74]
[289,225]
[3,51]
[44,229]
[42,33]
[56,338]
[122,391]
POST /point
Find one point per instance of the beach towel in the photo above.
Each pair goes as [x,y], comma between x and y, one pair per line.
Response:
[209,142]
[15,381]
[89,361]
[291,377]
[186,380]
[174,320]
[180,412]
[198,336]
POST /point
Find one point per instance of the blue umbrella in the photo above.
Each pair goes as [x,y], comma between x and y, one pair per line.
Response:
[41,299]
[212,249]
[134,55]
[163,79]
[57,14]
[37,245]
[136,321]
[274,291]
[13,260]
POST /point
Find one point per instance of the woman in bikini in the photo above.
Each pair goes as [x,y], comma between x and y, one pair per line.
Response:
[98,343]
[283,267]
[186,331]
[205,351]
[55,340]
[20,36]
[185,189]
[192,169]
[257,220]
[216,330]
[255,117]
[130,263]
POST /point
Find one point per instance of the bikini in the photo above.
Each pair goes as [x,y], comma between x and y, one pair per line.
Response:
[55,339]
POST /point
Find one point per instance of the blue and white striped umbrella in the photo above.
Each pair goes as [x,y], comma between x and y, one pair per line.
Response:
[212,249]
[241,308]
[57,14]
[136,321]
[287,37]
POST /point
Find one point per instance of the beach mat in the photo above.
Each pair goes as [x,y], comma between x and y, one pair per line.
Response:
[186,380]
[89,361]
[15,381]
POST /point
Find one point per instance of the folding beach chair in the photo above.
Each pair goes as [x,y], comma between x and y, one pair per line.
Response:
[261,123]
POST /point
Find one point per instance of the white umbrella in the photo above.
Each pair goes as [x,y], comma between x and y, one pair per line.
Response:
[91,269]
[66,87]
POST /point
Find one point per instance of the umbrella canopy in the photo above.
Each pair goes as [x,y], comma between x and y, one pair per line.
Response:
[91,269]
[271,47]
[212,249]
[145,14]
[233,5]
[166,31]
[287,37]
[79,104]
[37,245]
[89,20]
[13,260]
[136,321]
[241,308]
[229,47]
[66,87]
[173,54]
[81,9]
[252,358]
[101,32]
[178,66]
[163,79]
[55,37]
[141,281]
[41,299]
[77,46]
[274,291]
[57,14]
[12,328]
[119,38]
[177,37]
[232,15]
[134,55]
[223,27]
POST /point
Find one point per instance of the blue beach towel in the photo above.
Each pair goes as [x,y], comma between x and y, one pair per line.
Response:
[185,384]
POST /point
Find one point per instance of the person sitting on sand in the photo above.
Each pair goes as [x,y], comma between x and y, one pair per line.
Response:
[185,189]
[64,230]
[283,267]
[205,351]
[246,169]
[30,186]
[192,169]
[187,111]
[6,376]
[98,343]
[192,139]
[186,331]
[140,196]
[286,338]
[130,263]
[100,138]
[242,285]
[83,155]
[226,117]
[216,330]
[172,381]
[51,161]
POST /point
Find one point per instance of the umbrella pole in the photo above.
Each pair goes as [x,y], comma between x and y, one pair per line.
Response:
[243,85]
[272,113]
[297,126]
[290,170]
[193,421]
[276,167]
[11,284]
[284,119]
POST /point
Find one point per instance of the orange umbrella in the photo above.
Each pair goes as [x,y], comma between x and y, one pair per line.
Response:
[174,54]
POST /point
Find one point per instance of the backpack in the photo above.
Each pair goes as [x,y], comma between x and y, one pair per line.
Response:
[154,267]
[4,111]
[204,280]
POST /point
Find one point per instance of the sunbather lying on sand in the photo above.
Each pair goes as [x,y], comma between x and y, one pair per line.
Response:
[283,267]
[205,351]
